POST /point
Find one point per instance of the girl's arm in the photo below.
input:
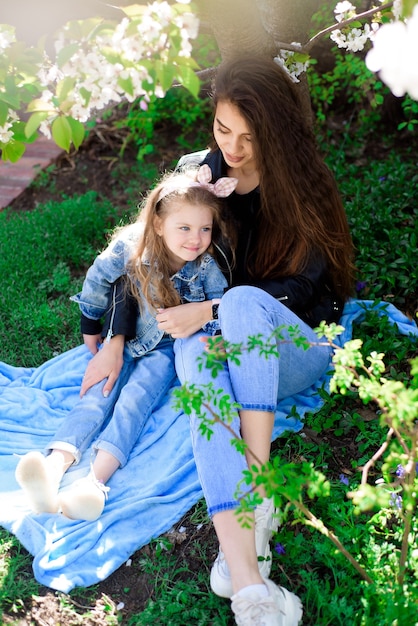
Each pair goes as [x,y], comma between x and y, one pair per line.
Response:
[106,363]
[185,319]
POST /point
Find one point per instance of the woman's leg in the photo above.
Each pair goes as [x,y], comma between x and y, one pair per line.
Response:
[220,467]
[259,382]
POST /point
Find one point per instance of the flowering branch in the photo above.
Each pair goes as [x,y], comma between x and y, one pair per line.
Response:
[346,22]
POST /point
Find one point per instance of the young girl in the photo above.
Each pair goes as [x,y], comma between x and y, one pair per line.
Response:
[163,257]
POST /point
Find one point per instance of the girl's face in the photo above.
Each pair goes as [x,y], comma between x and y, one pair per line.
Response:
[233,137]
[186,230]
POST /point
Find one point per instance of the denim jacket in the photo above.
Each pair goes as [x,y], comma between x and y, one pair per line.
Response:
[196,281]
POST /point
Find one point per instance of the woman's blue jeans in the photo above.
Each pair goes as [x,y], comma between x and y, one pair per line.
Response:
[119,419]
[257,383]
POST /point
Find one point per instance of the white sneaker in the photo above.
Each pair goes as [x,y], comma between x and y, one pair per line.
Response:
[39,479]
[85,499]
[279,608]
[266,522]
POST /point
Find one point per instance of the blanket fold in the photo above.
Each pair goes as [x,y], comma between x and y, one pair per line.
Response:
[153,491]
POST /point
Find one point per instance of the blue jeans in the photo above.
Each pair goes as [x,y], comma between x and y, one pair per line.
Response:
[257,383]
[121,416]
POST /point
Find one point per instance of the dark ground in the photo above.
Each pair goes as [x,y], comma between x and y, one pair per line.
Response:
[94,167]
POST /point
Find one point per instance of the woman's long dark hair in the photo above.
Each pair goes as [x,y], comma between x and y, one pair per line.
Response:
[301,209]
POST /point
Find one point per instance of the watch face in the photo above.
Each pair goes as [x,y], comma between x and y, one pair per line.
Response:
[215,308]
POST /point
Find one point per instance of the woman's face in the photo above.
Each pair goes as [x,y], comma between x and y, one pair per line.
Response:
[233,136]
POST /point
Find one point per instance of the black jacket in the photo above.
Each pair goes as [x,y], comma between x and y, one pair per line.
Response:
[308,294]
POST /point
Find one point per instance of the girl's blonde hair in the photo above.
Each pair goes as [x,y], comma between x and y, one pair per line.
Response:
[152,279]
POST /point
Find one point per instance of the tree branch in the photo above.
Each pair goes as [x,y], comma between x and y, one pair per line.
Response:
[308,45]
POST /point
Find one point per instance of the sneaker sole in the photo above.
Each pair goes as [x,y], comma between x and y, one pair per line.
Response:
[34,478]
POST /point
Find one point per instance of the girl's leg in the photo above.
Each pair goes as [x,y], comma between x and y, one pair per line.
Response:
[86,497]
[40,476]
[150,378]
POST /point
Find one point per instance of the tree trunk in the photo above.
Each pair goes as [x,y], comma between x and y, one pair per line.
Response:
[259,27]
[237,27]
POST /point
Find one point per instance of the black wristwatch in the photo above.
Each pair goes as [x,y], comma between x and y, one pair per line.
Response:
[215,307]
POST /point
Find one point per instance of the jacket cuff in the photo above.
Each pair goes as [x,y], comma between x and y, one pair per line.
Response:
[122,312]
[89,326]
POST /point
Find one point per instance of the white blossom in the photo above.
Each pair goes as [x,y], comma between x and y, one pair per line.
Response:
[394,55]
[343,10]
[294,68]
[7,37]
[6,134]
[45,129]
[101,79]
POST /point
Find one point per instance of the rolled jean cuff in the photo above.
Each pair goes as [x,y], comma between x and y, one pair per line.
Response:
[111,449]
[257,406]
[220,508]
[66,447]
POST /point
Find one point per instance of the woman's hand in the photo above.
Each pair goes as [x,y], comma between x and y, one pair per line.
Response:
[106,363]
[185,319]
[92,342]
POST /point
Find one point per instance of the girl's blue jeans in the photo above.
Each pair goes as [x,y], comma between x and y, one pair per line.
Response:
[257,383]
[118,420]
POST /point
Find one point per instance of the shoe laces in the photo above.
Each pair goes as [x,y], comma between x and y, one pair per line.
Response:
[221,564]
[252,611]
[99,483]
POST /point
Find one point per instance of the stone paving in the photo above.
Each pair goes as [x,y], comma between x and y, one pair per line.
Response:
[15,177]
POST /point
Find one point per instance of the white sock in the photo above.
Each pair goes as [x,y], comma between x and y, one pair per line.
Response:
[260,590]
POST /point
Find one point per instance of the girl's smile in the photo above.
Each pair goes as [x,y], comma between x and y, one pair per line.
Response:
[186,231]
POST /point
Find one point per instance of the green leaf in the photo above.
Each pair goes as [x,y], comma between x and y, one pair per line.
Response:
[4,111]
[189,80]
[12,151]
[65,54]
[34,122]
[40,105]
[64,87]
[10,98]
[61,133]
[20,135]
[126,85]
[165,74]
[77,131]
[133,10]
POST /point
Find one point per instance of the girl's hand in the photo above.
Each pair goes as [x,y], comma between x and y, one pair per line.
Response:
[92,342]
[185,319]
[106,363]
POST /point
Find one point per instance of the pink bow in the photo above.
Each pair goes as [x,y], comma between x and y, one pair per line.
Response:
[223,186]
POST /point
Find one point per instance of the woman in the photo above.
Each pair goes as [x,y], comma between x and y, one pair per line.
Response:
[293,267]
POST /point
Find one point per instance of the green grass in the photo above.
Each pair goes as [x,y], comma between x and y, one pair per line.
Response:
[44,255]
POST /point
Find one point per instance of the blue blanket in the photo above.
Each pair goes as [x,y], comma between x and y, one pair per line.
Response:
[152,492]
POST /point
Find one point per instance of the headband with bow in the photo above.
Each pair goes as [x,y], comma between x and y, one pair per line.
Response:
[221,189]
